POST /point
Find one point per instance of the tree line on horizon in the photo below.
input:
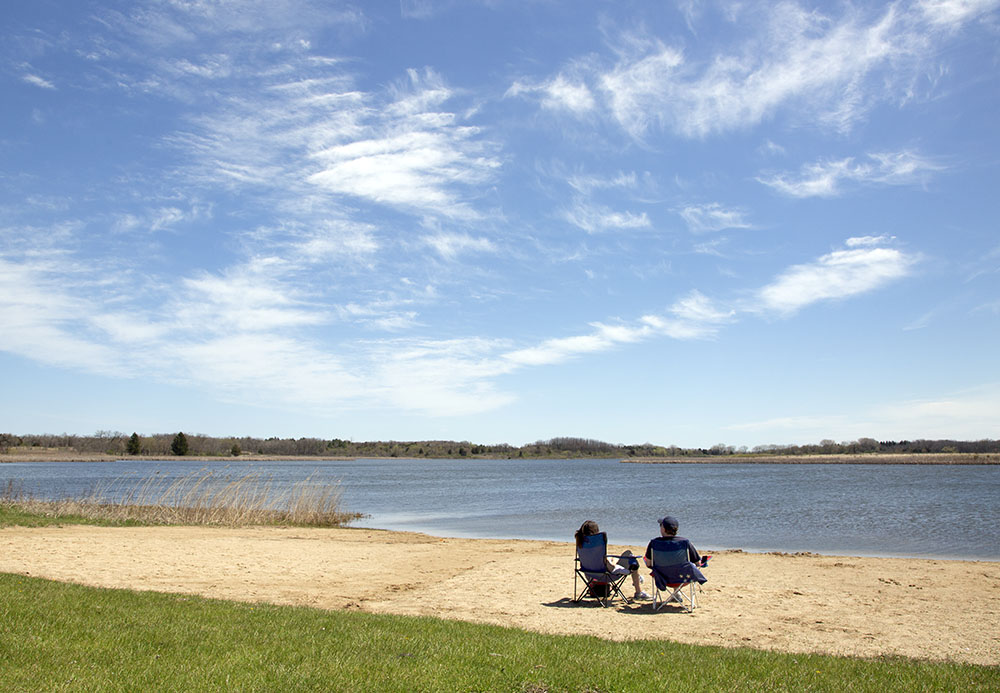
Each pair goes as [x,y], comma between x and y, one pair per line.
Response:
[181,444]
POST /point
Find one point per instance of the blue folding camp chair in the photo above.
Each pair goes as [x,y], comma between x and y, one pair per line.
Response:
[592,571]
[674,574]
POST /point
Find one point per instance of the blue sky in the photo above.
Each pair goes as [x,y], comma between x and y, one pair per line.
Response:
[684,223]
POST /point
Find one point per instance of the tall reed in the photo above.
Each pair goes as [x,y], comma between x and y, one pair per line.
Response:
[199,498]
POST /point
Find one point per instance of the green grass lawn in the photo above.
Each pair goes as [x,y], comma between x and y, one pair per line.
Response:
[60,637]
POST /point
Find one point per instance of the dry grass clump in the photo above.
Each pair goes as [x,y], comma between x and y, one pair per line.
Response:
[200,498]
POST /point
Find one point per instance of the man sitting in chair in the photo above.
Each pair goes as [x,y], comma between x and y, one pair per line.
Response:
[668,537]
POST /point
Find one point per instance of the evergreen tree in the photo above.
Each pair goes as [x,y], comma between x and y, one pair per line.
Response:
[134,446]
[180,445]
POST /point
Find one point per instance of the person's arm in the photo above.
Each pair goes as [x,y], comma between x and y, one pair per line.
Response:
[693,554]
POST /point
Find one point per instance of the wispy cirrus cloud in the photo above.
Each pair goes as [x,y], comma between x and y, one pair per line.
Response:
[588,183]
[954,13]
[693,316]
[958,415]
[40,308]
[322,138]
[594,218]
[37,81]
[382,317]
[713,217]
[866,265]
[241,302]
[558,94]
[823,68]
[802,59]
[828,178]
[451,245]
[160,27]
[251,337]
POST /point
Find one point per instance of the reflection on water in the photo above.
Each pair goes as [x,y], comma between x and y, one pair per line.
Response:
[877,510]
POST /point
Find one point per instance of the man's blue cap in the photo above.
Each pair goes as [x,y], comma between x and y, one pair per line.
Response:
[669,523]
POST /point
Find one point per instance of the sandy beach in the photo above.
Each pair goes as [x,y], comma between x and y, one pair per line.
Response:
[927,609]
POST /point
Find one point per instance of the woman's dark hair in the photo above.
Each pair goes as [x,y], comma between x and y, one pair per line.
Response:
[586,529]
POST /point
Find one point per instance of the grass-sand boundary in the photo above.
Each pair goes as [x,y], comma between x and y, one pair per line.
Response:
[58,636]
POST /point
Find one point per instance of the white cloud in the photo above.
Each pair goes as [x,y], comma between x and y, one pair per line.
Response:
[317,137]
[158,26]
[558,94]
[770,148]
[268,368]
[397,322]
[693,317]
[130,328]
[962,415]
[637,90]
[868,241]
[798,58]
[826,178]
[839,274]
[698,309]
[585,184]
[822,69]
[553,351]
[901,168]
[713,217]
[439,377]
[166,217]
[416,158]
[240,303]
[451,245]
[416,169]
[38,81]
[331,241]
[41,310]
[246,335]
[953,13]
[388,314]
[598,218]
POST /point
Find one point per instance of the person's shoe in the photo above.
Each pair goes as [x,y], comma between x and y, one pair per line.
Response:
[641,597]
[677,598]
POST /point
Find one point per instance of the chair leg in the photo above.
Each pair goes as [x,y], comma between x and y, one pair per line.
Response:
[687,601]
[616,586]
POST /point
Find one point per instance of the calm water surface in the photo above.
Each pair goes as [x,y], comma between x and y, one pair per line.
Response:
[866,510]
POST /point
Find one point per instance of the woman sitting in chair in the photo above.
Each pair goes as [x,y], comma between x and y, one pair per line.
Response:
[626,564]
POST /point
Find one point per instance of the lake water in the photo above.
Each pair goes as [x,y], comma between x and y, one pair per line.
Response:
[859,510]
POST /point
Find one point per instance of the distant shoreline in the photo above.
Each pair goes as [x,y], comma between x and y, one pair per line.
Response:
[869,458]
[64,455]
[74,456]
